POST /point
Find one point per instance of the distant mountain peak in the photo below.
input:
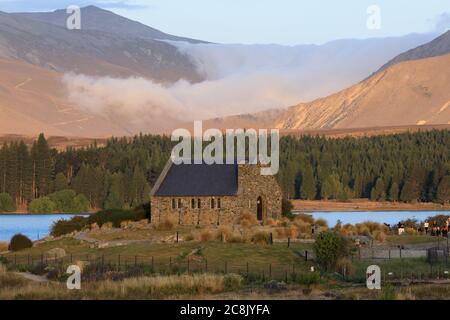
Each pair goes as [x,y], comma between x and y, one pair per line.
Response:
[94,18]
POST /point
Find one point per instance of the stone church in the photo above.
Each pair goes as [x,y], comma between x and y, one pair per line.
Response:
[201,194]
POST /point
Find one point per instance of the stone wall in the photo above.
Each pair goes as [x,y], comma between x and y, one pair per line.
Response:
[252,185]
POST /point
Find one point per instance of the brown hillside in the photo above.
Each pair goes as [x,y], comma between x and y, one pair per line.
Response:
[32,100]
[409,93]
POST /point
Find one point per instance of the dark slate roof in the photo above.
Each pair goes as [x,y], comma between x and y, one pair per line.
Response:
[200,180]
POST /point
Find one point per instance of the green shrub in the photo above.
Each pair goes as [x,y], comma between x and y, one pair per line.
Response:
[308,278]
[19,242]
[116,216]
[286,208]
[42,205]
[62,227]
[6,203]
[329,248]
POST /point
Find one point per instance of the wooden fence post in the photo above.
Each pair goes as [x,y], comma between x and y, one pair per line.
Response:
[289,242]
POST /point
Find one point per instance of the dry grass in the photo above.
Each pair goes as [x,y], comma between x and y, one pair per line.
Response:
[369,228]
[3,246]
[260,237]
[322,223]
[160,287]
[166,225]
[205,235]
[247,220]
[9,280]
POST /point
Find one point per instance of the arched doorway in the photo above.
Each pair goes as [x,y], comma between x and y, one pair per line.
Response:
[259,210]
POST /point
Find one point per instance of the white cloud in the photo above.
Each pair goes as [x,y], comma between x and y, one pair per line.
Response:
[443,22]
[239,79]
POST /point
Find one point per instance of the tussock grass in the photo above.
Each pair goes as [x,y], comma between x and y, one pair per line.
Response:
[166,225]
[159,287]
[247,220]
[3,246]
[9,280]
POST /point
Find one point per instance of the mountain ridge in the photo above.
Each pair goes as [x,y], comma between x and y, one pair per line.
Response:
[437,47]
[415,92]
[91,52]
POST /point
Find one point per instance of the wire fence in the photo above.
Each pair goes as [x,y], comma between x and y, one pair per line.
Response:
[116,267]
[97,267]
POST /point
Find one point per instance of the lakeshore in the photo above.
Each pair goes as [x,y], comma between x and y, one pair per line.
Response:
[365,205]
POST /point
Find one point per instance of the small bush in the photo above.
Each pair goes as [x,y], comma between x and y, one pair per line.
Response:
[286,208]
[271,222]
[329,248]
[302,226]
[308,278]
[235,238]
[232,282]
[40,268]
[411,231]
[19,242]
[260,237]
[116,216]
[379,236]
[248,219]
[305,218]
[286,232]
[166,225]
[3,246]
[62,227]
[322,223]
[205,235]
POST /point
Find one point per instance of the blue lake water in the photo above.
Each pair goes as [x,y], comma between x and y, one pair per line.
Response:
[390,217]
[33,226]
[38,226]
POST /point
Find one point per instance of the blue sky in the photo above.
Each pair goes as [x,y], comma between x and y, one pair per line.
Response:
[286,22]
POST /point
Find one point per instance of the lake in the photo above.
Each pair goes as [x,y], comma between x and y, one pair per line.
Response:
[38,226]
[390,217]
[33,226]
